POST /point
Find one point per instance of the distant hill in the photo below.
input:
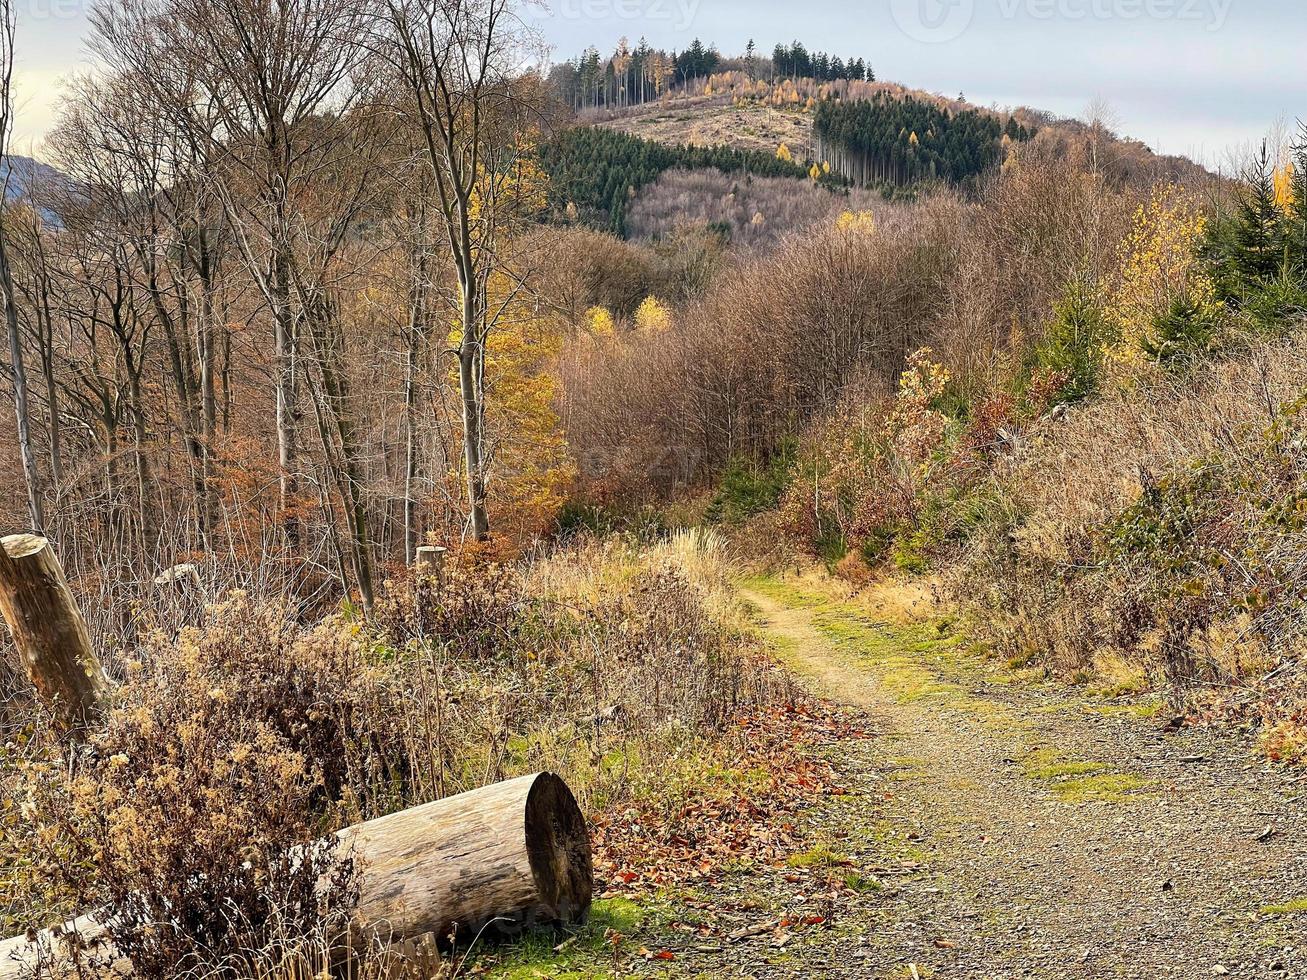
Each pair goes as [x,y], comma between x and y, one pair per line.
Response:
[23,177]
[20,175]
[731,109]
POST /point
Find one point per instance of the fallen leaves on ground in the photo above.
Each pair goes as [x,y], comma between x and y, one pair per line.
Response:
[658,844]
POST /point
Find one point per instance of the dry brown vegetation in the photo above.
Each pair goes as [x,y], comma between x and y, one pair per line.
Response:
[245,734]
[754,212]
[1158,527]
[775,344]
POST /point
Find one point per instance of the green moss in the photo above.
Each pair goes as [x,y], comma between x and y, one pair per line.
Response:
[1074,781]
[586,954]
[1296,907]
[1136,709]
[817,857]
[855,881]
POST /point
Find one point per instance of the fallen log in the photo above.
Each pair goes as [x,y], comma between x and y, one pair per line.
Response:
[495,861]
[48,629]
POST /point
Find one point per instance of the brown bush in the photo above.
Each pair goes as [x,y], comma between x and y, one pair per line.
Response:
[761,354]
[1040,224]
[1119,516]
[193,818]
[239,741]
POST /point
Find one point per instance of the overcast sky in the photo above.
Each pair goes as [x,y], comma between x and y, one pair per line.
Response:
[1198,77]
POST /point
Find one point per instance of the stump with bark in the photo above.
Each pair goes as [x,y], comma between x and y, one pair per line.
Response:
[48,628]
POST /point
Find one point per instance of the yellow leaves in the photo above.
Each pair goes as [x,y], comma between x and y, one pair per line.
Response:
[783,153]
[912,139]
[599,321]
[1158,265]
[825,166]
[814,172]
[915,428]
[652,316]
[1284,197]
[856,222]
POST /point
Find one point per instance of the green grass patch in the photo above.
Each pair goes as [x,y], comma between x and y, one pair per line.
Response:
[856,881]
[817,857]
[1142,710]
[1077,781]
[587,953]
[1296,907]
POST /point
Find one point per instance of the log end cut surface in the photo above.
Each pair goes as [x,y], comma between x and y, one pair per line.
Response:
[24,545]
[558,848]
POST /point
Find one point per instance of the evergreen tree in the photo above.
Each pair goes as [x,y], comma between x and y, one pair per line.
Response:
[1253,247]
[899,140]
[1296,233]
[781,60]
[593,172]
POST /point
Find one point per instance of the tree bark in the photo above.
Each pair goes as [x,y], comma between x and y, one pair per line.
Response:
[48,629]
[497,860]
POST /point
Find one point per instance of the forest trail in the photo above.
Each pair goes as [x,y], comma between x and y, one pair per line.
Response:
[1033,830]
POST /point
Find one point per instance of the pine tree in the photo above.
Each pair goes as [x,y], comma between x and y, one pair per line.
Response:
[1257,246]
[1296,218]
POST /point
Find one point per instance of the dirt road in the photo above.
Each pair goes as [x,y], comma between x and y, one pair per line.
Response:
[1057,833]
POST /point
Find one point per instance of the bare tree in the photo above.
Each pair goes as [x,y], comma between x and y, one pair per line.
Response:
[272,102]
[460,61]
[35,504]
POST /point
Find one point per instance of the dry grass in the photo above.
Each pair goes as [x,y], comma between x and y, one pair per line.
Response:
[1153,541]
[249,734]
[712,122]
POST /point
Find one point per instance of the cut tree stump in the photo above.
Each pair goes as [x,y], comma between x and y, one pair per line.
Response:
[495,861]
[48,629]
[430,560]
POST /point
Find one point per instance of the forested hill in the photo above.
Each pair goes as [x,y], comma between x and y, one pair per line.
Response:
[594,173]
[888,140]
[822,109]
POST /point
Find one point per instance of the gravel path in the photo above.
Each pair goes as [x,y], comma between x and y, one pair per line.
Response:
[1034,832]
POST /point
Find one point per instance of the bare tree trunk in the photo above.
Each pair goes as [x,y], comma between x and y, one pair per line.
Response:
[285,343]
[45,340]
[324,329]
[411,465]
[416,346]
[470,358]
[35,504]
[205,342]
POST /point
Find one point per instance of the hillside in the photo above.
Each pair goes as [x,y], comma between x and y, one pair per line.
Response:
[743,517]
[732,110]
[714,121]
[22,175]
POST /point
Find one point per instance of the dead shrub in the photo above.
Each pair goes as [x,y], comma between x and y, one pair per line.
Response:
[192,821]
